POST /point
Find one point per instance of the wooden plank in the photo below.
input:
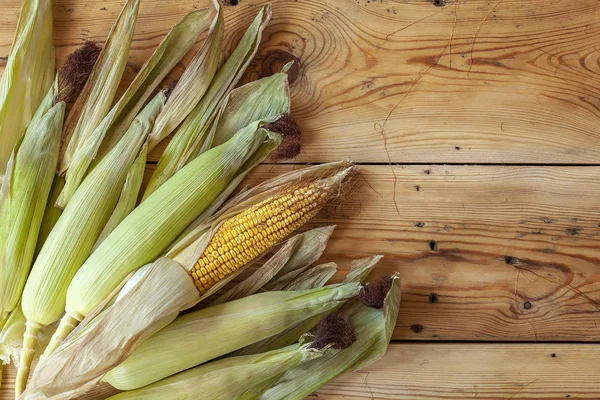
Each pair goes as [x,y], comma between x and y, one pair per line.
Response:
[475,81]
[455,371]
[484,252]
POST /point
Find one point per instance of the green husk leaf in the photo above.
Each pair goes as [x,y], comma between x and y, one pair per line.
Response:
[170,51]
[373,328]
[129,195]
[23,201]
[298,252]
[203,335]
[265,99]
[70,242]
[241,378]
[97,96]
[193,137]
[314,277]
[193,84]
[51,213]
[359,272]
[28,75]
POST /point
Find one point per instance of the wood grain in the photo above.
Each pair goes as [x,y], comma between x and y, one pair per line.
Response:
[484,252]
[436,371]
[476,81]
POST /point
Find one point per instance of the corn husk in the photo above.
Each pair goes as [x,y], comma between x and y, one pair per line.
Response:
[374,328]
[23,198]
[265,99]
[192,138]
[229,378]
[62,377]
[28,75]
[193,84]
[203,335]
[359,271]
[314,277]
[129,195]
[105,136]
[97,96]
[299,251]
[51,213]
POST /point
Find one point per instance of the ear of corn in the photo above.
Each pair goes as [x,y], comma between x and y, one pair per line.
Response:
[300,250]
[191,138]
[146,232]
[97,96]
[23,199]
[70,241]
[129,195]
[373,328]
[105,136]
[221,329]
[265,99]
[65,376]
[359,271]
[28,75]
[314,277]
[228,378]
[193,84]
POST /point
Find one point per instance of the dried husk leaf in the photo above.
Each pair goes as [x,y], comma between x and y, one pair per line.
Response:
[314,277]
[300,250]
[79,364]
[203,335]
[28,75]
[129,195]
[105,136]
[230,378]
[265,100]
[193,84]
[71,241]
[97,96]
[373,328]
[23,198]
[192,138]
[359,272]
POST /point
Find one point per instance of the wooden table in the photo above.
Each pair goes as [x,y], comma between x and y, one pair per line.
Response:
[477,127]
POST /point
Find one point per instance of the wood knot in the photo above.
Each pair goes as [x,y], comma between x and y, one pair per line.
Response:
[527,305]
[433,298]
[274,61]
[417,328]
[439,3]
[231,2]
[511,260]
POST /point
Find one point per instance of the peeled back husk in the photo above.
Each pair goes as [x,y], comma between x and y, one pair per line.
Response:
[28,75]
[203,335]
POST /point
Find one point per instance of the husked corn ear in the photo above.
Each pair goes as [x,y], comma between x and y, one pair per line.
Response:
[247,235]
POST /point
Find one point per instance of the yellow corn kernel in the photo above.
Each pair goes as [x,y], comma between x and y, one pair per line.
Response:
[244,237]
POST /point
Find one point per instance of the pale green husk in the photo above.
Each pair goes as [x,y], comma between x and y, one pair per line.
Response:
[28,75]
[23,198]
[374,328]
[192,138]
[316,276]
[203,335]
[359,272]
[239,378]
[105,136]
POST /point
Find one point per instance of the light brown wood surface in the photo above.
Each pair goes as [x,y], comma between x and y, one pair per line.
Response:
[505,253]
[442,371]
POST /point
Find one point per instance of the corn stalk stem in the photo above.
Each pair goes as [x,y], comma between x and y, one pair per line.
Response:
[30,341]
[67,324]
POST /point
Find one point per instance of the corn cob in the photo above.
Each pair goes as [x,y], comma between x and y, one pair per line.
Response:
[246,236]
